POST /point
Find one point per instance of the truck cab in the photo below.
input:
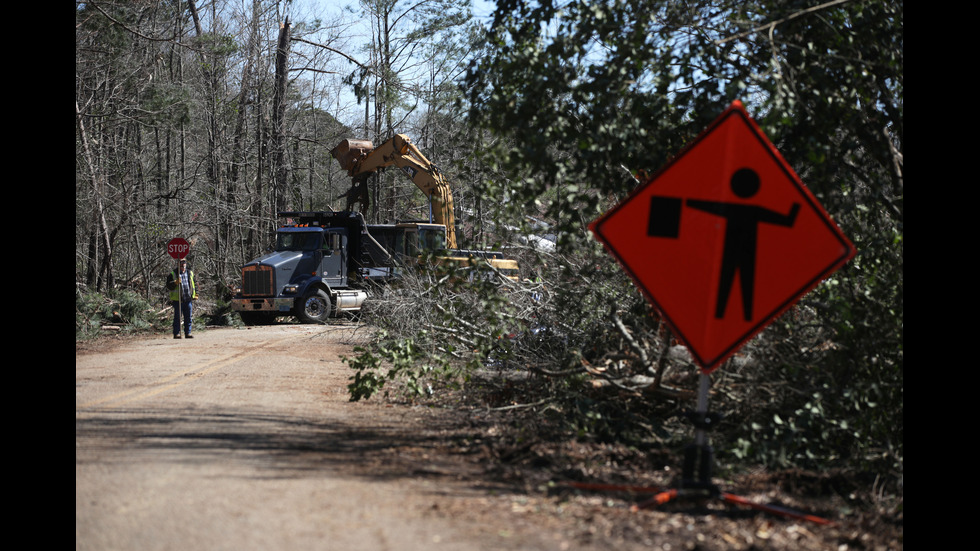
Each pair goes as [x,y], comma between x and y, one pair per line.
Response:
[321,253]
[305,275]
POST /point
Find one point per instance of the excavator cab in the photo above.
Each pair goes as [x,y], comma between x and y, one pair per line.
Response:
[415,239]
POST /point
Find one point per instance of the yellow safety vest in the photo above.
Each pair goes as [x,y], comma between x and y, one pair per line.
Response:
[175,293]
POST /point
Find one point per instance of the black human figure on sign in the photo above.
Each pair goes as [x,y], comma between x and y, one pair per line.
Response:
[741,233]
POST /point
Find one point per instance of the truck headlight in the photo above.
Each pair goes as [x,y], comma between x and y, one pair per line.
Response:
[290,289]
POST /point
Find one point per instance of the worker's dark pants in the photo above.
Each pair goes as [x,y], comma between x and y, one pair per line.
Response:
[185,316]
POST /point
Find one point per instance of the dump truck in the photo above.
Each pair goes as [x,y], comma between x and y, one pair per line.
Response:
[324,264]
[306,274]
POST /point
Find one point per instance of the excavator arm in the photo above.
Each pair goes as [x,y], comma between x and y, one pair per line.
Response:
[361,159]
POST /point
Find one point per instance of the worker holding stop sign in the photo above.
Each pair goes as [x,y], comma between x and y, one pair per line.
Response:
[183,290]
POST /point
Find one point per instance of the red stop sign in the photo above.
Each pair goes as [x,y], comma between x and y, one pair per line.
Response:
[178,248]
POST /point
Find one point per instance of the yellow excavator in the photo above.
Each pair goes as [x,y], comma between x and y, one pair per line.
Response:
[361,159]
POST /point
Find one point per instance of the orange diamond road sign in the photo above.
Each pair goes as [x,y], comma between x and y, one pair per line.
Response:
[724,238]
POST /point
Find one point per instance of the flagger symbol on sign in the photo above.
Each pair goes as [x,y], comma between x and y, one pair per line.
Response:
[741,232]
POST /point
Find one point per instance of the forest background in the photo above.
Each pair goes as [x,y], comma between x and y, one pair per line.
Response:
[203,119]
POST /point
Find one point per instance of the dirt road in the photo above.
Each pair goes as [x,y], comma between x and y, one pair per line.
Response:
[245,439]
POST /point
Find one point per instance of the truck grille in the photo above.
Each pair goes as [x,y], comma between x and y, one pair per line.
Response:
[257,281]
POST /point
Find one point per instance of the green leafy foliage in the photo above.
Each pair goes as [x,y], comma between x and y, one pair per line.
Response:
[583,95]
[388,359]
[123,308]
[435,327]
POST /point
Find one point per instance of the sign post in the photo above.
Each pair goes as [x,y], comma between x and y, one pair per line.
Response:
[721,241]
[178,248]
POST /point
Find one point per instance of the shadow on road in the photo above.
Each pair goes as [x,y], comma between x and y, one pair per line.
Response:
[277,445]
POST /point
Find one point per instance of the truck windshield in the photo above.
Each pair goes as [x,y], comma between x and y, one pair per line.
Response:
[297,241]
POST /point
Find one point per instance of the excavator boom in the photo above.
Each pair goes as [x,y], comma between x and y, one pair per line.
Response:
[360,159]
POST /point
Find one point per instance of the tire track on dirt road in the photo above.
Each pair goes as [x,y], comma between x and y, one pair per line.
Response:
[174,380]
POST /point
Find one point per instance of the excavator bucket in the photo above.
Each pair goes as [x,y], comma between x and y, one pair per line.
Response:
[349,151]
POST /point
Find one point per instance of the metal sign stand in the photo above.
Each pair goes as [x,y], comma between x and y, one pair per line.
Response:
[698,464]
[699,456]
[695,483]
[696,475]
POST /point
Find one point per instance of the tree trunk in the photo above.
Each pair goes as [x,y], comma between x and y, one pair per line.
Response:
[280,168]
[99,229]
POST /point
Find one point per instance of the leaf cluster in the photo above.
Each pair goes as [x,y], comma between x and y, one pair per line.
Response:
[436,325]
[123,308]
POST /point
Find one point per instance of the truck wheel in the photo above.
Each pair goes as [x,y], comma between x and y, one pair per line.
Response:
[315,307]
